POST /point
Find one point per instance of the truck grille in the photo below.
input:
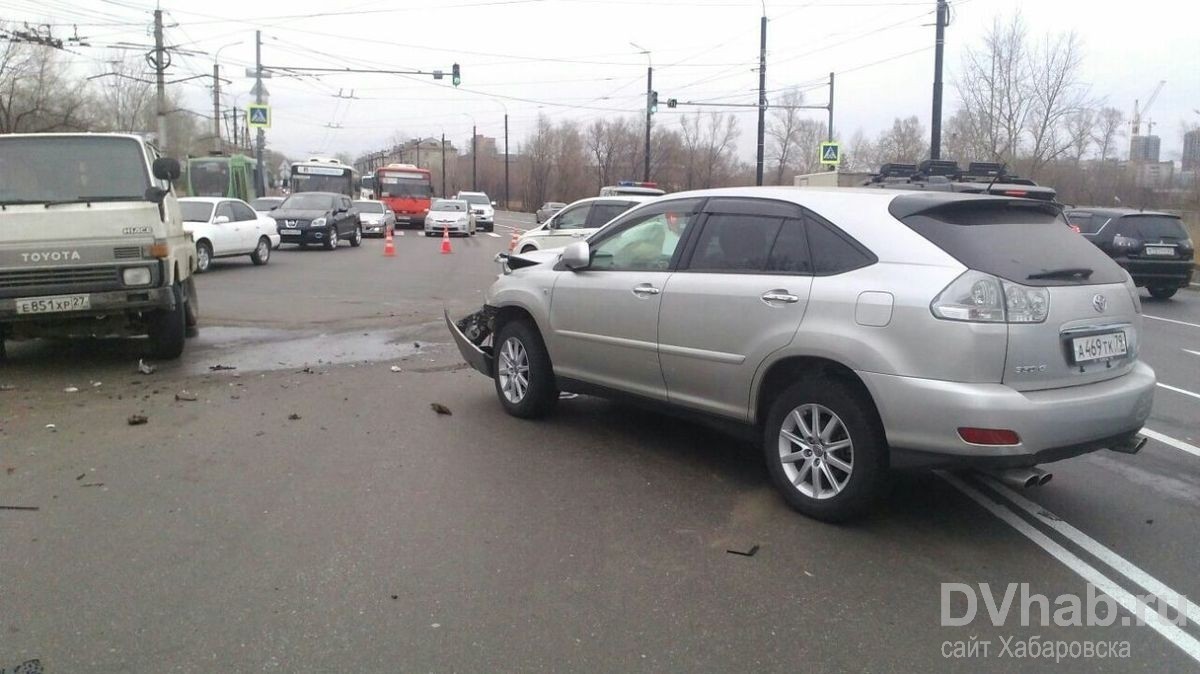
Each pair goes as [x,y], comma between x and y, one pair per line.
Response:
[30,278]
[127,252]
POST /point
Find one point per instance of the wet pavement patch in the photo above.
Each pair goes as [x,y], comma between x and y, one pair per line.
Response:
[257,349]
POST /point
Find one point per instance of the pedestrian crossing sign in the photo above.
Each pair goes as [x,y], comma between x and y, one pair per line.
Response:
[259,116]
[831,154]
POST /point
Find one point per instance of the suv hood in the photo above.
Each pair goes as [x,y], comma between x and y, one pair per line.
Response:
[297,214]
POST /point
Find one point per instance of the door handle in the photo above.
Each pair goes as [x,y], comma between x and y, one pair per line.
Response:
[782,296]
[645,290]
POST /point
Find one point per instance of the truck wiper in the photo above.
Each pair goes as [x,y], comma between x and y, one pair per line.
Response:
[1082,273]
[91,199]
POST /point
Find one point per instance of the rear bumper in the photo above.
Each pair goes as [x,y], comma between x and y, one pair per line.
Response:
[1159,273]
[922,416]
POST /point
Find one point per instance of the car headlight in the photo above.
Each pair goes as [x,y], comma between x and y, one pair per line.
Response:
[319,222]
[136,276]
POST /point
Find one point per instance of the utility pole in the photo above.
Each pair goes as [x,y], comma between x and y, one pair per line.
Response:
[649,113]
[443,164]
[261,187]
[216,107]
[474,157]
[506,206]
[830,135]
[935,124]
[160,69]
[762,100]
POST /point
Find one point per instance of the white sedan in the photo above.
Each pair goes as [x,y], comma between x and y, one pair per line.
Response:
[227,228]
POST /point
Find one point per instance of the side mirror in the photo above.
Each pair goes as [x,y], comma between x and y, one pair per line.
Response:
[221,220]
[167,168]
[577,255]
[493,204]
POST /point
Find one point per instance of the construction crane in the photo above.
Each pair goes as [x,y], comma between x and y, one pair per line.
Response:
[1139,111]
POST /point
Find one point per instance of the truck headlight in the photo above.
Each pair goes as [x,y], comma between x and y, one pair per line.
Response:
[136,276]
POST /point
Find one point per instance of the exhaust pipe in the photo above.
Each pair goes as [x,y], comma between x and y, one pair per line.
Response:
[1022,478]
[1131,445]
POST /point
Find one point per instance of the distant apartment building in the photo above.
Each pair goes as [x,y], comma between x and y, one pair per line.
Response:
[1155,175]
[1191,150]
[1144,149]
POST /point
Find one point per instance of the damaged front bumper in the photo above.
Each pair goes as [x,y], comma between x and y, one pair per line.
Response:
[470,334]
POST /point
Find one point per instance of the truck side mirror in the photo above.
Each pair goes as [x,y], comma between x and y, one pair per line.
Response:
[167,168]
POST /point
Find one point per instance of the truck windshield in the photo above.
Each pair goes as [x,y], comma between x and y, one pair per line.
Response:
[42,169]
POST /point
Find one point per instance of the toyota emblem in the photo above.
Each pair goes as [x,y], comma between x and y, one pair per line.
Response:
[1099,302]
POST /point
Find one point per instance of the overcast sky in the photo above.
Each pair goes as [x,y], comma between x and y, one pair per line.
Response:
[573,59]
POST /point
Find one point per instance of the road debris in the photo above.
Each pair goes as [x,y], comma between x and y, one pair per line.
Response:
[440,409]
[97,384]
[81,476]
[10,470]
[7,387]
[92,484]
[185,396]
[4,507]
[144,368]
[51,427]
[293,417]
[745,553]
[71,389]
[137,419]
[219,368]
[395,368]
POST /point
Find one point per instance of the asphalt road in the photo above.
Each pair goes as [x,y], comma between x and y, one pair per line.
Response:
[372,534]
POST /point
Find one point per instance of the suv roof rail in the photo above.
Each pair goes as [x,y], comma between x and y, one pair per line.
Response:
[986,169]
[939,167]
[897,170]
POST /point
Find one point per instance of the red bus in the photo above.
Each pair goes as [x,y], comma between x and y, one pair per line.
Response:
[407,190]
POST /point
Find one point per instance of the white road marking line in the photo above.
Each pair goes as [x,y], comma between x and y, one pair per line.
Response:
[493,235]
[1117,562]
[1171,320]
[1179,390]
[1186,642]
[1168,440]
[1194,353]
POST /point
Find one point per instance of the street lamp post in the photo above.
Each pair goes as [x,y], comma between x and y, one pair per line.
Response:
[217,95]
[649,112]
[474,152]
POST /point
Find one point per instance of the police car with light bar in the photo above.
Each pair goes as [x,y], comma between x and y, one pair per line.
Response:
[630,187]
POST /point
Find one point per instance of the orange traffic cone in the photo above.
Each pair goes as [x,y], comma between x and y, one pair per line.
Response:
[389,244]
[446,241]
[512,245]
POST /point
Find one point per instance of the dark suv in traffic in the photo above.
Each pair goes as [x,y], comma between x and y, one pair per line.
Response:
[322,218]
[1153,247]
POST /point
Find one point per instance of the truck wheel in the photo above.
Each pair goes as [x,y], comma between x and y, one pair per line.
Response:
[1163,293]
[167,328]
[825,450]
[193,307]
[204,255]
[523,373]
[262,252]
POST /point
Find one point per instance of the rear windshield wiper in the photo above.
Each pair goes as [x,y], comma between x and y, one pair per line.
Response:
[1082,273]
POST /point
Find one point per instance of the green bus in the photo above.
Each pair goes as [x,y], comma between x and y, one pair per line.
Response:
[232,176]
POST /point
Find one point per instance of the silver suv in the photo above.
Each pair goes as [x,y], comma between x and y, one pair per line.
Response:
[848,331]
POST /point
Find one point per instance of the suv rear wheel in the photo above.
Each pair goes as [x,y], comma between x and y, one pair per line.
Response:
[1163,293]
[825,450]
[523,374]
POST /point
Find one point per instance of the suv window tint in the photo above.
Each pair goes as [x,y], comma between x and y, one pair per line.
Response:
[1013,240]
[833,252]
[645,239]
[1152,228]
[242,212]
[224,209]
[602,212]
[790,252]
[574,218]
[1086,222]
[730,242]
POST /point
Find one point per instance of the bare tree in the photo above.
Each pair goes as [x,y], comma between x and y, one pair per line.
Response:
[905,142]
[995,87]
[860,153]
[36,93]
[1110,123]
[539,156]
[1080,129]
[126,94]
[1057,93]
[794,138]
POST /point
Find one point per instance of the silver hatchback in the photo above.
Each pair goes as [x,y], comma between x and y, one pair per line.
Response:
[847,331]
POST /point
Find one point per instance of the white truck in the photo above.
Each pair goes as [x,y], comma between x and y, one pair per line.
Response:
[92,241]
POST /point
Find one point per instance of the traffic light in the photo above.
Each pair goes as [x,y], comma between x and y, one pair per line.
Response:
[653,102]
[455,75]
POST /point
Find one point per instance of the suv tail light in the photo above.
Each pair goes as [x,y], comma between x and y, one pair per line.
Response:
[976,297]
